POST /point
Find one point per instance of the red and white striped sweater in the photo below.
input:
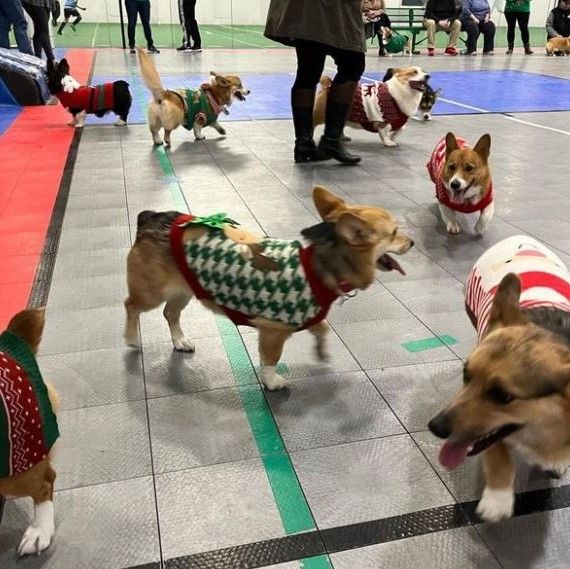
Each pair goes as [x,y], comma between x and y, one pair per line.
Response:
[544,278]
[435,169]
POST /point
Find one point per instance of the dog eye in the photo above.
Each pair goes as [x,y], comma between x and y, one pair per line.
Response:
[452,167]
[498,395]
[469,168]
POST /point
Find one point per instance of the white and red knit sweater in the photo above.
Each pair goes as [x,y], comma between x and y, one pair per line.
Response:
[544,278]
[435,169]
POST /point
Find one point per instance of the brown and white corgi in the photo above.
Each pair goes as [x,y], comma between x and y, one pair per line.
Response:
[558,46]
[462,179]
[516,394]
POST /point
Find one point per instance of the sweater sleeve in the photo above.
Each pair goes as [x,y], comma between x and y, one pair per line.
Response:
[465,11]
[428,14]
[551,32]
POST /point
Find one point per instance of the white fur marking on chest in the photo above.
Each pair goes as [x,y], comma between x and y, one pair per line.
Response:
[69,84]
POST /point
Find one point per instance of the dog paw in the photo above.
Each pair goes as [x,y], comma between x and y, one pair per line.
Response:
[222,131]
[183,345]
[275,382]
[322,353]
[78,125]
[453,227]
[35,540]
[557,472]
[133,342]
[157,142]
[496,505]
[120,122]
[201,137]
[481,227]
[390,143]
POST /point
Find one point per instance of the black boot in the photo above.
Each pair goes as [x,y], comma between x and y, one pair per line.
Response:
[338,104]
[527,49]
[302,104]
[510,50]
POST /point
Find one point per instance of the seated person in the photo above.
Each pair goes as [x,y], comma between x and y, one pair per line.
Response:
[558,21]
[442,15]
[476,19]
[374,12]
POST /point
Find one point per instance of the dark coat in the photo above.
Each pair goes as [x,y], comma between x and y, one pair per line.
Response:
[336,23]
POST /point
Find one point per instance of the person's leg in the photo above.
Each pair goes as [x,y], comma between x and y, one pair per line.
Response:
[350,67]
[40,18]
[183,24]
[194,31]
[488,31]
[472,30]
[132,15]
[77,17]
[523,18]
[310,64]
[430,25]
[144,12]
[511,18]
[66,16]
[13,14]
[454,33]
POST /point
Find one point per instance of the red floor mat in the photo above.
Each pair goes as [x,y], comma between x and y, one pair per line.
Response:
[33,152]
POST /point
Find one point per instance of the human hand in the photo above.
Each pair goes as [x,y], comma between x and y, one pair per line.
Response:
[443,24]
[487,18]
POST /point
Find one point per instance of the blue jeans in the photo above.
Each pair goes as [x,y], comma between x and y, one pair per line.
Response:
[134,9]
[12,14]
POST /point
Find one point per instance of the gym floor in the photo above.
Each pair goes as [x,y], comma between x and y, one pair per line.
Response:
[183,461]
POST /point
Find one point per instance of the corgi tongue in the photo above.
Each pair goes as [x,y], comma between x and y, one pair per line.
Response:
[453,455]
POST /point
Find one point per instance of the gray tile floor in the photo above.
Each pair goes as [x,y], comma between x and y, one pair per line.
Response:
[157,458]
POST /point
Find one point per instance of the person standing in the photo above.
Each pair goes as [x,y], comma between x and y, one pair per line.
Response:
[442,15]
[191,40]
[476,20]
[518,11]
[39,12]
[12,15]
[136,8]
[315,30]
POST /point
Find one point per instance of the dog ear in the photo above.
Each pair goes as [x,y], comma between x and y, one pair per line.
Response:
[450,144]
[353,229]
[483,147]
[29,326]
[327,204]
[63,66]
[220,79]
[506,309]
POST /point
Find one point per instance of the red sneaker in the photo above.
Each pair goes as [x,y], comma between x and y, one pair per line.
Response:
[431,51]
[451,51]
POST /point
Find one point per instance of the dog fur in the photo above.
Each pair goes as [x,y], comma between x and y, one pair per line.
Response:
[405,87]
[38,481]
[388,34]
[167,110]
[466,178]
[351,244]
[558,46]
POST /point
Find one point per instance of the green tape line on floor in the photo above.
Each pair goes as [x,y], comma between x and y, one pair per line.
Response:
[291,502]
[429,343]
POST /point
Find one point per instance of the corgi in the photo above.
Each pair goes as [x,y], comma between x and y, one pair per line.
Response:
[193,109]
[233,272]
[81,100]
[380,107]
[394,43]
[558,46]
[462,179]
[516,394]
[27,413]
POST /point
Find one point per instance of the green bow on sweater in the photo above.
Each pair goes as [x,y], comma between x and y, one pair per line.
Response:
[216,221]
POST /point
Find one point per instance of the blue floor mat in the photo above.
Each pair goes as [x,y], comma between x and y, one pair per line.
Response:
[491,91]
[8,114]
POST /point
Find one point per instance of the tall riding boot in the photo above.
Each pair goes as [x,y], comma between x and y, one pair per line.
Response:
[338,104]
[302,104]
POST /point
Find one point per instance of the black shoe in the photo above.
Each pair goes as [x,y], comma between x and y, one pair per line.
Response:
[183,47]
[196,48]
[133,50]
[73,27]
[334,148]
[152,49]
[307,151]
[510,50]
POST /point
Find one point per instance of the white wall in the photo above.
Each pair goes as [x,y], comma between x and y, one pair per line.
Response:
[244,12]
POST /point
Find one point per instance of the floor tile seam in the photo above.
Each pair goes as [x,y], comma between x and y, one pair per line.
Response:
[527,232]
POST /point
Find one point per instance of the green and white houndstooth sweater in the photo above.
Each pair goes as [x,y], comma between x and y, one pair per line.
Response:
[216,270]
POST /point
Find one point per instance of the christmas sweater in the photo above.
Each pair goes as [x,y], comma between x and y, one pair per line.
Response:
[28,426]
[198,104]
[94,100]
[435,169]
[216,269]
[372,103]
[396,44]
[544,278]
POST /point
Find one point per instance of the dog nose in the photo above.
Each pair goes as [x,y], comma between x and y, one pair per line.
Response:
[427,77]
[440,425]
[411,243]
[426,116]
[455,184]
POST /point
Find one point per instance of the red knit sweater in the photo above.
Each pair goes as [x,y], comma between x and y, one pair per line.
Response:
[97,99]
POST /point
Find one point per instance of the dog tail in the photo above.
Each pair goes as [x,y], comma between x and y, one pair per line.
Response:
[325,82]
[29,326]
[150,76]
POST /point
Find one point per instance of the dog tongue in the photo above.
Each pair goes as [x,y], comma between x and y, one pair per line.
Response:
[453,455]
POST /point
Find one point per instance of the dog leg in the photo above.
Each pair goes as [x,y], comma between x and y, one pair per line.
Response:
[448,216]
[271,344]
[134,310]
[497,502]
[73,120]
[174,306]
[80,119]
[485,219]
[120,122]
[320,331]
[216,125]
[154,125]
[167,137]
[386,136]
[39,534]
[198,131]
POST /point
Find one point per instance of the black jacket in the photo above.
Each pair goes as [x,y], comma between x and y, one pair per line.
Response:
[441,10]
[559,21]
